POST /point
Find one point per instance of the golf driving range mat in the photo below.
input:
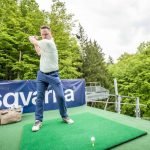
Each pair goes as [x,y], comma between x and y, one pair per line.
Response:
[56,135]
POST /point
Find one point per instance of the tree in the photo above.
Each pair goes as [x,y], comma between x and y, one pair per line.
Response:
[110,60]
[69,56]
[22,18]
[132,73]
[31,19]
[19,19]
[94,67]
[9,17]
[144,48]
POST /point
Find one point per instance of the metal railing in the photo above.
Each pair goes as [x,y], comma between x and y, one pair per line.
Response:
[119,102]
[97,94]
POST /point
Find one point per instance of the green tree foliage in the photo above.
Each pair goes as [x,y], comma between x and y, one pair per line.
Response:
[94,66]
[9,13]
[110,60]
[144,48]
[69,56]
[133,75]
[21,18]
[31,20]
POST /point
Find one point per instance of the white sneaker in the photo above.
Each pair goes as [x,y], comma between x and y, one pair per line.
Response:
[37,126]
[68,120]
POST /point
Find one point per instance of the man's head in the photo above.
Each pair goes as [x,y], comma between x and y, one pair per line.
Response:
[45,32]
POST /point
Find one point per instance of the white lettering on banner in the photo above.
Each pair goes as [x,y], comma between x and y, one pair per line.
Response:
[69,95]
[32,96]
[25,101]
[5,99]
[54,97]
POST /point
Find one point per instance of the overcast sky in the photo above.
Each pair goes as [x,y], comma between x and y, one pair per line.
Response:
[117,25]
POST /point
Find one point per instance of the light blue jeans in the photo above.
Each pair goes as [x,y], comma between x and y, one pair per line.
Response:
[43,81]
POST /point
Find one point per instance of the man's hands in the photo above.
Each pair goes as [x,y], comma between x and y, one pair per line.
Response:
[33,40]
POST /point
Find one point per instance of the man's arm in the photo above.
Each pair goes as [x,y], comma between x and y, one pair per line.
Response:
[37,49]
[34,41]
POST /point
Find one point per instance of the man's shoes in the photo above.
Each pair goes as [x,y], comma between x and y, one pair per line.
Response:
[68,120]
[37,126]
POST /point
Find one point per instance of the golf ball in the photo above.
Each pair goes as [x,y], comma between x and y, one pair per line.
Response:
[93,139]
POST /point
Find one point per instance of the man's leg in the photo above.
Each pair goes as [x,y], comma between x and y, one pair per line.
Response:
[58,88]
[41,87]
[60,99]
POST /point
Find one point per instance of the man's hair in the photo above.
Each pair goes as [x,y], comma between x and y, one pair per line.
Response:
[45,27]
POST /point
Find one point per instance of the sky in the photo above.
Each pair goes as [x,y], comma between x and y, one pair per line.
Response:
[117,25]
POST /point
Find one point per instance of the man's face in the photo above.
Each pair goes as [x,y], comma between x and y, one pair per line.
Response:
[45,34]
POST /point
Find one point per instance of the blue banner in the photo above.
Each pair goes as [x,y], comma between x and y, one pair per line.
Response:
[14,93]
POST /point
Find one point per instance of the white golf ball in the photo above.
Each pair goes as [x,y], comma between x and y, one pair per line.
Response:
[93,139]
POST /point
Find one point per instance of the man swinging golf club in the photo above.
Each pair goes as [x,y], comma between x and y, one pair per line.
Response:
[48,75]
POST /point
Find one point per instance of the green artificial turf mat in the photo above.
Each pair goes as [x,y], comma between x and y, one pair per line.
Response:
[56,135]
